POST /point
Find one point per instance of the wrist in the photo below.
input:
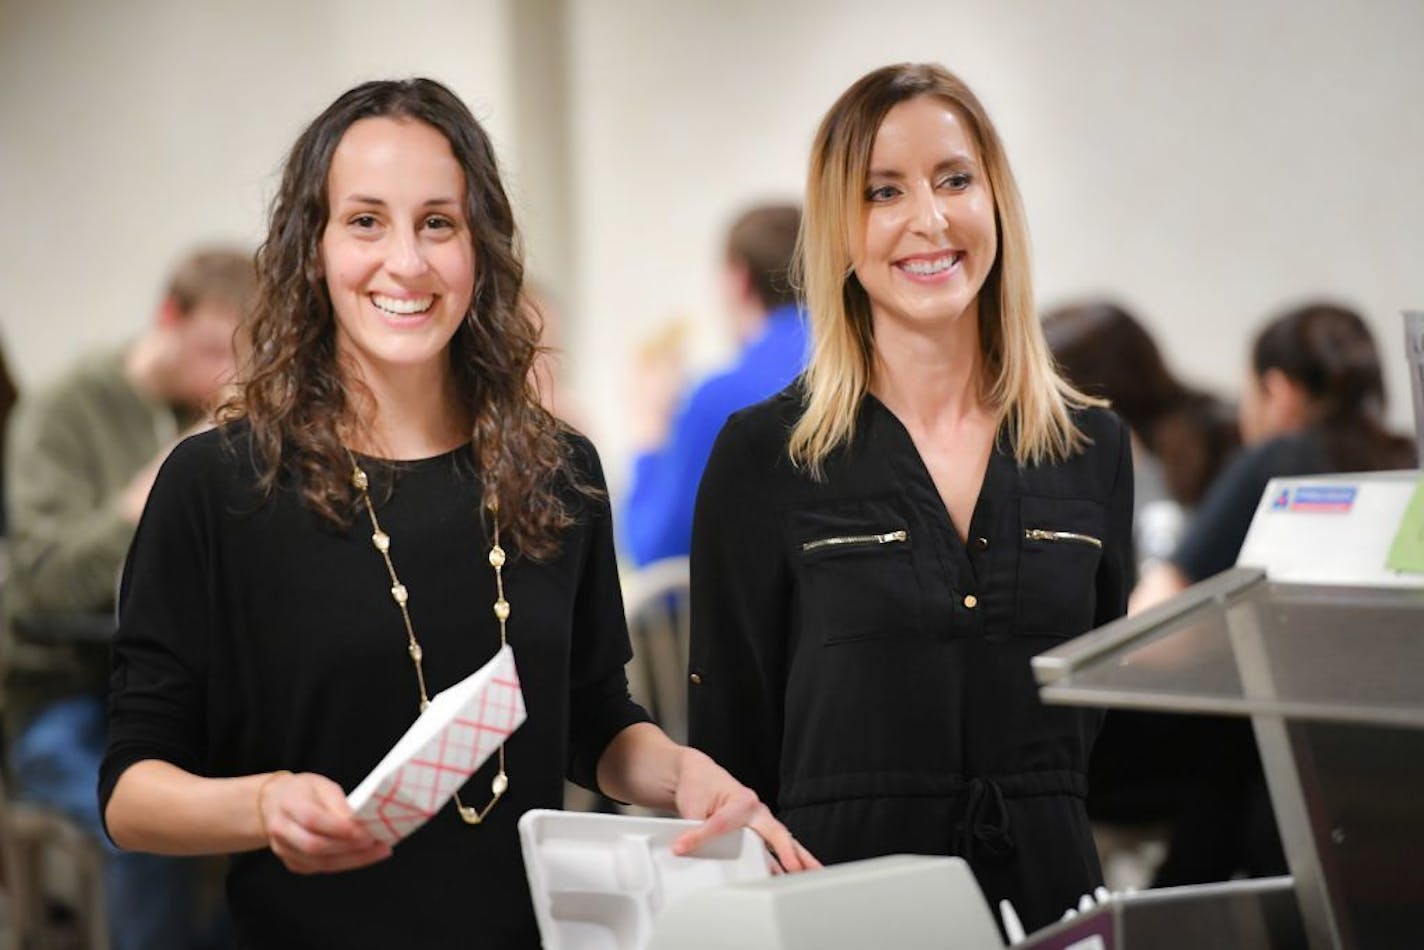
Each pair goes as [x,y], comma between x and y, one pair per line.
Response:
[261,797]
[687,763]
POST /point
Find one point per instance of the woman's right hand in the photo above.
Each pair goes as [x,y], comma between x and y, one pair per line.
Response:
[310,826]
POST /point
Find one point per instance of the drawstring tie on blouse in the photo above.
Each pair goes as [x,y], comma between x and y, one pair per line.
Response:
[983,829]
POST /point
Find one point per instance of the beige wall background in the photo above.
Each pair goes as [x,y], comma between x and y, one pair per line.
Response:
[1205,162]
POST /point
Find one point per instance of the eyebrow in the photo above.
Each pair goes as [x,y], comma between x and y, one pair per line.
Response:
[959,158]
[379,203]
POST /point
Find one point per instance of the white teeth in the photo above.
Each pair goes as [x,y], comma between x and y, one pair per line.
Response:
[402,307]
[924,268]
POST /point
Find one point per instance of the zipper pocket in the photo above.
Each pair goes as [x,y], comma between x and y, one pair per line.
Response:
[890,537]
[1039,534]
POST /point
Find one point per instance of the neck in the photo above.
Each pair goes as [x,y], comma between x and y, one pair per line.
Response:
[404,413]
[929,378]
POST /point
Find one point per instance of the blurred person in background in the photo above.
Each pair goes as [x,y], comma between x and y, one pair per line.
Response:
[83,453]
[771,339]
[1313,402]
[1181,438]
[880,549]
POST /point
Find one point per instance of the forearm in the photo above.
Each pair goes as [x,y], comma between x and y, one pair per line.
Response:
[642,766]
[1158,585]
[160,808]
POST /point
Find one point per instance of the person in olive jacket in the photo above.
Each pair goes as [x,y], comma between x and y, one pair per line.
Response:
[879,550]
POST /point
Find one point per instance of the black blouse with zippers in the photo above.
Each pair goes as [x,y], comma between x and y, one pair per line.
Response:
[867,672]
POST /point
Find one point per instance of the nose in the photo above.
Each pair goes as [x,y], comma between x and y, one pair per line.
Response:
[406,257]
[928,211]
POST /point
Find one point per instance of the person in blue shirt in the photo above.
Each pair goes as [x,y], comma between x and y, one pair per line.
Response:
[657,520]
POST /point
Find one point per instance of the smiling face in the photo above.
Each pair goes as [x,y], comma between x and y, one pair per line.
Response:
[929,237]
[397,251]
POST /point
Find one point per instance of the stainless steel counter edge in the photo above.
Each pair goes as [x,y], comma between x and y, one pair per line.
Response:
[1058,663]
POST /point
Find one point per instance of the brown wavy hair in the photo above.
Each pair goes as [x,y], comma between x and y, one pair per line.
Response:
[1105,351]
[294,395]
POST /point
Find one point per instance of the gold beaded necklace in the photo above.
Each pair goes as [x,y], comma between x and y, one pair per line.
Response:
[382,541]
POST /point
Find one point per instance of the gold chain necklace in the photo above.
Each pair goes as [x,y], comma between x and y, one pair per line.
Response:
[382,541]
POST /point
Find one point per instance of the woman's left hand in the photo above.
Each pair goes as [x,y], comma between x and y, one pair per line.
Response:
[706,791]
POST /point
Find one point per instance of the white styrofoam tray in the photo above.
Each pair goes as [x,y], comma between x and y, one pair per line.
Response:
[599,881]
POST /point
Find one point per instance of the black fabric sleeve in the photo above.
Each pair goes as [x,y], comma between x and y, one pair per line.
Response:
[1117,570]
[159,658]
[1218,529]
[599,704]
[741,591]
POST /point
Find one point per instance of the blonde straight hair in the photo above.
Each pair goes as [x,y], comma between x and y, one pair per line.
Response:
[1020,381]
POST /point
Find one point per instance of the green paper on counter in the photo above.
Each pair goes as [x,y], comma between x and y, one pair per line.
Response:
[1406,553]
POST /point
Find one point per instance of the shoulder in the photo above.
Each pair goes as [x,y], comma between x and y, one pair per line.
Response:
[1095,470]
[1298,453]
[1109,441]
[1103,427]
[95,380]
[764,428]
[585,464]
[1253,466]
[218,461]
[1244,478]
[752,444]
[582,484]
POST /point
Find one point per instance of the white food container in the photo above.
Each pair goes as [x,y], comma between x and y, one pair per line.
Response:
[599,881]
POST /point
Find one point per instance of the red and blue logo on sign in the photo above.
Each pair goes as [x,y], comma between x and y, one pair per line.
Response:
[1320,499]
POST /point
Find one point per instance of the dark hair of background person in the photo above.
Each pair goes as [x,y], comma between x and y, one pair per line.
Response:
[1329,351]
[1104,351]
[293,395]
[763,239]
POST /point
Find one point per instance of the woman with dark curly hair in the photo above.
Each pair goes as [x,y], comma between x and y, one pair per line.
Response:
[306,576]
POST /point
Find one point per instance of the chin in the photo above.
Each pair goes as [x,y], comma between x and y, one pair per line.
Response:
[938,312]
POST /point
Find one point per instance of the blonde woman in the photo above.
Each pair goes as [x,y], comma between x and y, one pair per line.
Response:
[880,549]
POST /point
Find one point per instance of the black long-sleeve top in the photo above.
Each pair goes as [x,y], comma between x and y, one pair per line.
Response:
[255,637]
[862,668]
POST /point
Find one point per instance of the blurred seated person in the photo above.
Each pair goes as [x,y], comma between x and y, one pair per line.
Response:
[771,337]
[1181,436]
[1313,403]
[83,454]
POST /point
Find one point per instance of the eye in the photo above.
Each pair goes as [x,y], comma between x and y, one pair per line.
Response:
[364,222]
[956,181]
[439,222]
[881,193]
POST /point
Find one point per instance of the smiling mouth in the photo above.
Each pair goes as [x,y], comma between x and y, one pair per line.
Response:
[931,266]
[402,307]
